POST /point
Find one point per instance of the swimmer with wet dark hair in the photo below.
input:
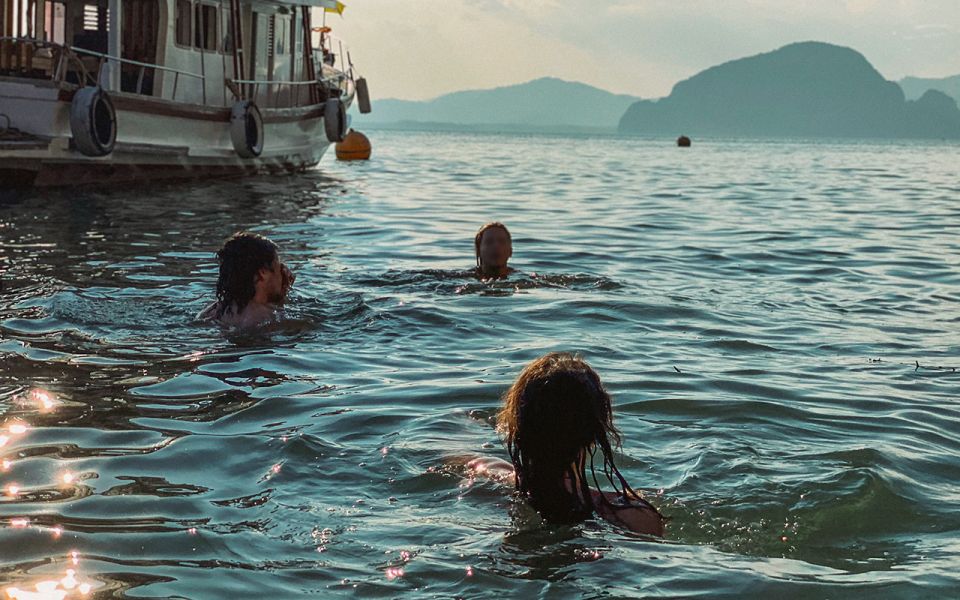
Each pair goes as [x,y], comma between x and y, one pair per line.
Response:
[557,421]
[253,282]
[494,247]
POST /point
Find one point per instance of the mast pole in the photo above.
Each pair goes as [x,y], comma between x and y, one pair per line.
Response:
[236,24]
[308,53]
[114,43]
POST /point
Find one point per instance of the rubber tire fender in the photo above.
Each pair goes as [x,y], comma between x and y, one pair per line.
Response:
[335,119]
[93,122]
[246,129]
[363,96]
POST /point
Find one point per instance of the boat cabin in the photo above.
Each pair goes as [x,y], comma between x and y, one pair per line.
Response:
[204,52]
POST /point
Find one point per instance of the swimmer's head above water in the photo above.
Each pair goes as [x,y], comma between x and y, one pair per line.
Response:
[557,420]
[494,247]
[252,282]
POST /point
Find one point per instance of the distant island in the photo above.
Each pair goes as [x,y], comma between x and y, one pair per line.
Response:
[915,87]
[808,89]
[546,104]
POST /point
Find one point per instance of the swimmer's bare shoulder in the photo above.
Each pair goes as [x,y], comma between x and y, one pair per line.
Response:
[637,516]
[251,316]
[211,314]
[482,276]
[258,315]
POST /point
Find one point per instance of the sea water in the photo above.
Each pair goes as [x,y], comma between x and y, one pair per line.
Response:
[777,322]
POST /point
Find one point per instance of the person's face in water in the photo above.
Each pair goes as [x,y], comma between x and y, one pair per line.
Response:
[495,249]
[275,281]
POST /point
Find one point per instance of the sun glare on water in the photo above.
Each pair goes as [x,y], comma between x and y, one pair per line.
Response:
[68,586]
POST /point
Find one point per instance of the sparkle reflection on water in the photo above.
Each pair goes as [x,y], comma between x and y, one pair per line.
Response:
[777,322]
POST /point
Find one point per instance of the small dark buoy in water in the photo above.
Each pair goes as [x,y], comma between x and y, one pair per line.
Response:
[355,146]
[683,141]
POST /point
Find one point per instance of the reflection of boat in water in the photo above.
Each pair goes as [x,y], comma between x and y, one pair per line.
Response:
[108,90]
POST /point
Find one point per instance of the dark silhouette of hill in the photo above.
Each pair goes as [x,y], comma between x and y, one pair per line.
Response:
[808,89]
[914,87]
[542,103]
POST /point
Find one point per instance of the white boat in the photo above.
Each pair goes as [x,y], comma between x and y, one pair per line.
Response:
[121,90]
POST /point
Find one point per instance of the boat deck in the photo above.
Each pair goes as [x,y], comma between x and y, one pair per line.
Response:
[14,139]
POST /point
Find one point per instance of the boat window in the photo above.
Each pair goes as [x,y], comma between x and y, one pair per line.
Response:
[205,27]
[93,35]
[94,17]
[11,23]
[55,28]
[183,14]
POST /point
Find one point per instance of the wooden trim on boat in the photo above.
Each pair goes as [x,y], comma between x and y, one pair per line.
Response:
[292,115]
[34,81]
[166,108]
[24,144]
[154,149]
[55,174]
[198,112]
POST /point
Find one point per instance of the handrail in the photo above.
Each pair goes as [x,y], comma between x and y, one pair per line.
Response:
[341,78]
[71,53]
[233,84]
[176,72]
[134,62]
[62,52]
[268,82]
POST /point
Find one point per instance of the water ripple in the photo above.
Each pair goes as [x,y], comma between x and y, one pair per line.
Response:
[776,321]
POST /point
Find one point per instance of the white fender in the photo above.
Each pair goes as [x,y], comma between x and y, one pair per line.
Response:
[246,129]
[93,121]
[335,119]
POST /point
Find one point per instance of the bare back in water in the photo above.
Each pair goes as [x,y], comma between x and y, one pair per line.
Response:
[633,513]
[252,315]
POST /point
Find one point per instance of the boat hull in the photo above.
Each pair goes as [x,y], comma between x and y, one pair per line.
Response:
[56,173]
[156,139]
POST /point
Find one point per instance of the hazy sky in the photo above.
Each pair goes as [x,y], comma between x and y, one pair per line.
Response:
[418,49]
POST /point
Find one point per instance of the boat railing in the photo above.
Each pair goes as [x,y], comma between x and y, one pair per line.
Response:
[40,59]
[270,93]
[331,51]
[105,59]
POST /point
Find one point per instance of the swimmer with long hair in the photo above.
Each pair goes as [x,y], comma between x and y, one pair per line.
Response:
[557,421]
[493,247]
[252,284]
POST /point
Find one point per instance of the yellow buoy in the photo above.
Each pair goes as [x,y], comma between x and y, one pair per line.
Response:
[355,146]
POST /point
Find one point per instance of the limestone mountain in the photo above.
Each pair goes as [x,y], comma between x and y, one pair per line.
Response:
[542,103]
[914,87]
[807,89]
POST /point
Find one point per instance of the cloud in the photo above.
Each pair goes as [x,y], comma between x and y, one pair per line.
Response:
[424,48]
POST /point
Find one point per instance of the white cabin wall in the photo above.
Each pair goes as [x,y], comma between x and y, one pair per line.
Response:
[213,65]
[259,56]
[281,62]
[281,59]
